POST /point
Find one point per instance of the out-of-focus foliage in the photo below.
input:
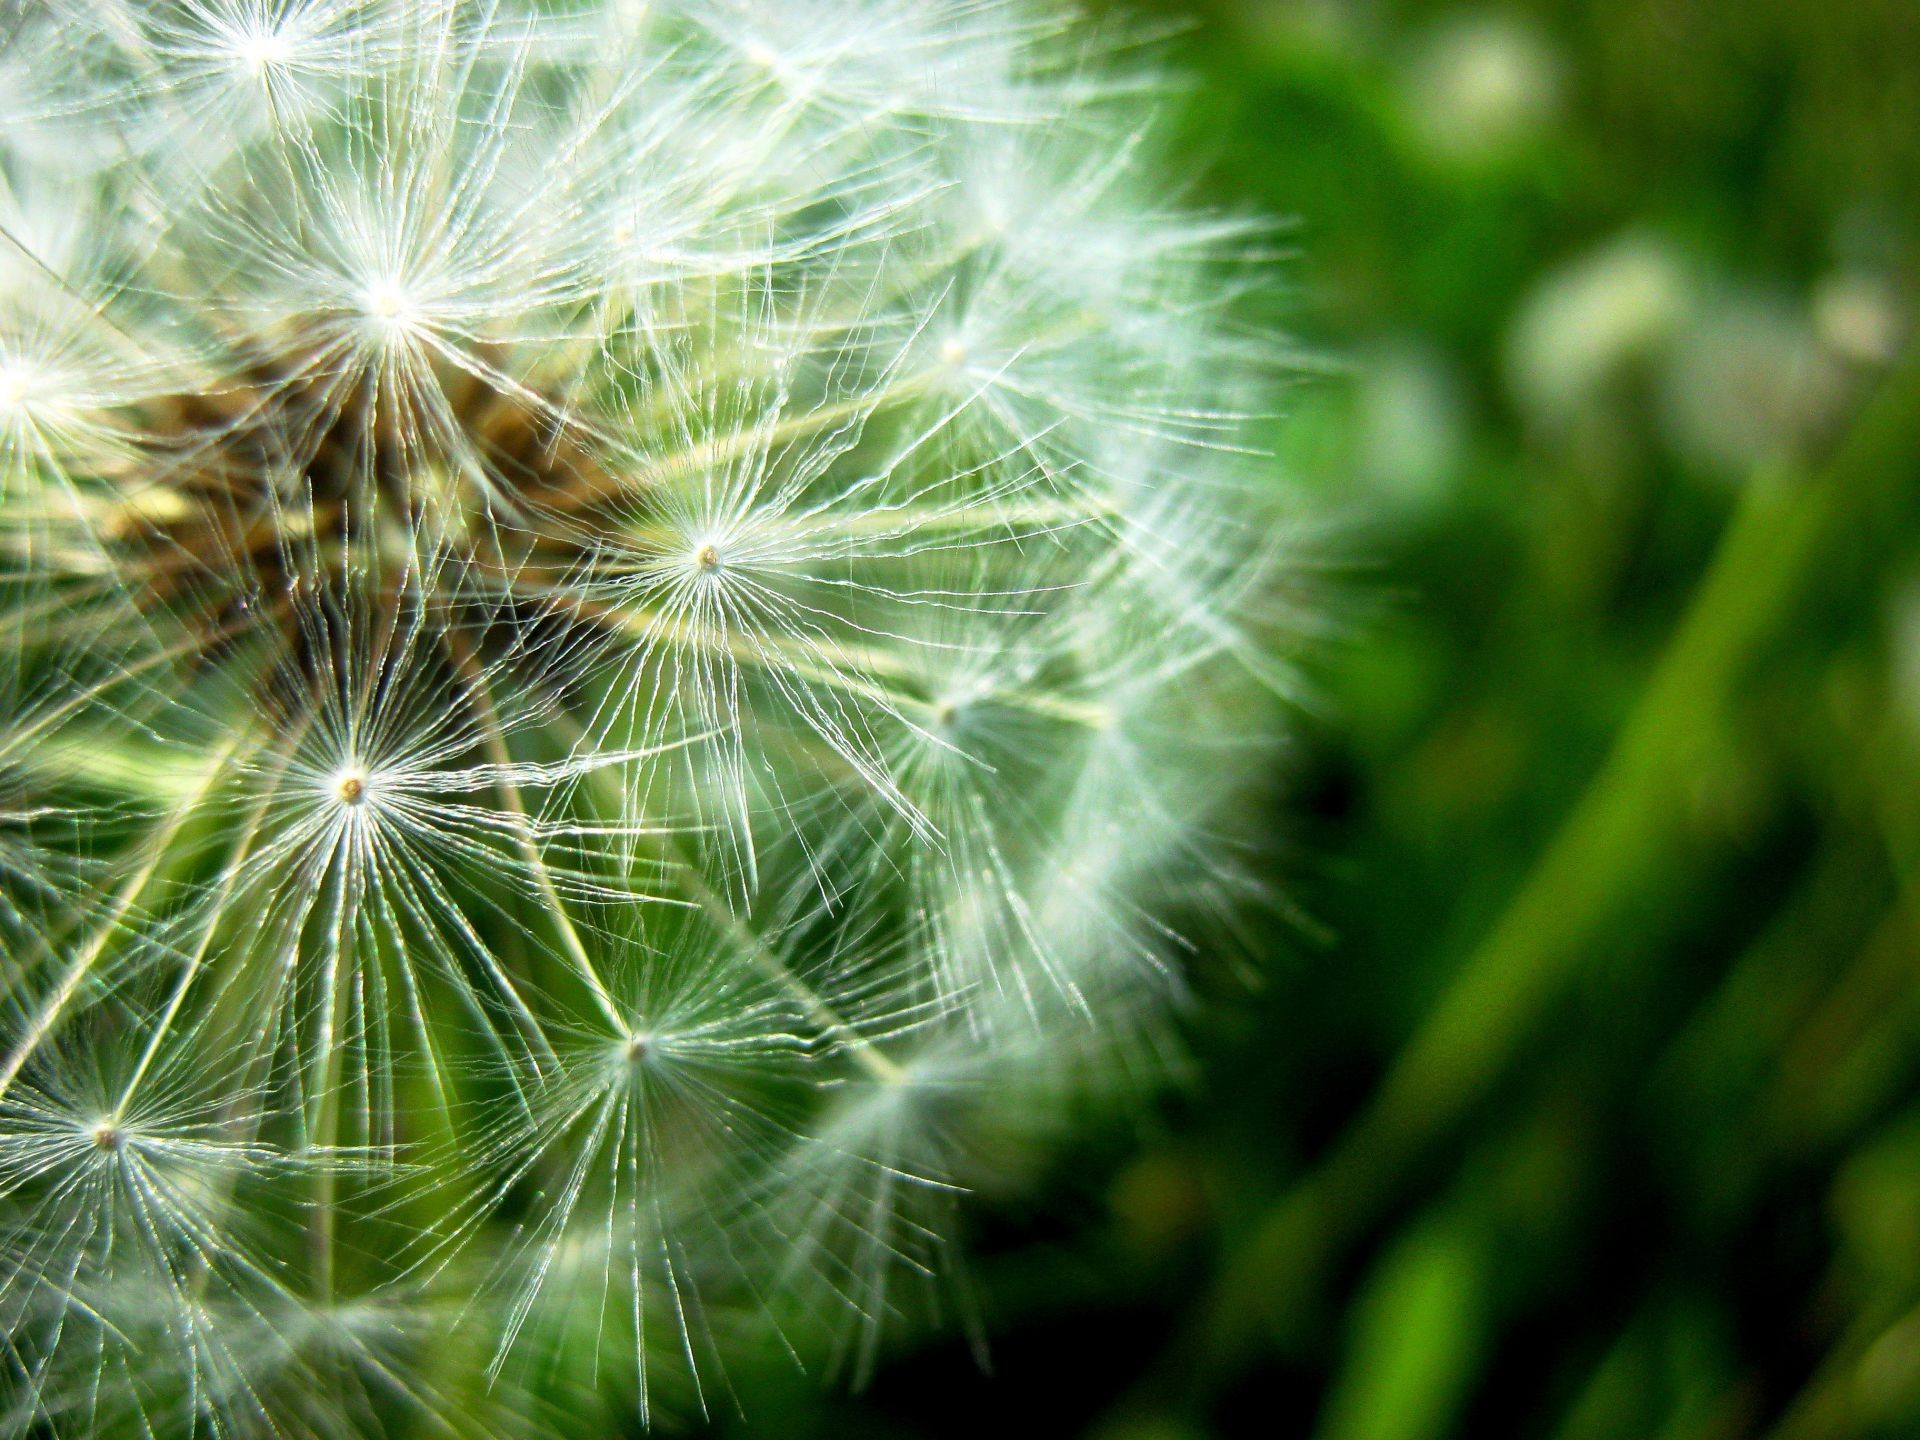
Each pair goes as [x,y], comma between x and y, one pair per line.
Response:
[1581,1098]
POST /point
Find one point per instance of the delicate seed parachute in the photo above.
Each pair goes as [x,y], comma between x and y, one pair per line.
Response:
[627,632]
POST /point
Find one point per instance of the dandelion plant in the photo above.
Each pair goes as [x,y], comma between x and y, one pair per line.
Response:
[628,635]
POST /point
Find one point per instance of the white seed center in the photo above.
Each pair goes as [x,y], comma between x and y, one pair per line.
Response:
[387,302]
[259,51]
[14,384]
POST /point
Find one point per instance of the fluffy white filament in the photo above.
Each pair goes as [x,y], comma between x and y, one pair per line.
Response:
[622,629]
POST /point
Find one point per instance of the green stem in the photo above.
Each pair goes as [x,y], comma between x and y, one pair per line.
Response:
[88,955]
[1626,833]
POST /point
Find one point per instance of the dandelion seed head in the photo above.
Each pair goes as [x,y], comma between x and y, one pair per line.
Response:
[665,599]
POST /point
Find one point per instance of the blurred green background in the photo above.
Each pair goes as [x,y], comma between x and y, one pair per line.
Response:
[1578,1094]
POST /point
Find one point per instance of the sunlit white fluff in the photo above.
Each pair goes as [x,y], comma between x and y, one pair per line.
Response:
[628,634]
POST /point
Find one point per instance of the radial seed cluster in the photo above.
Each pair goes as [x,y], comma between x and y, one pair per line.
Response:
[628,632]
